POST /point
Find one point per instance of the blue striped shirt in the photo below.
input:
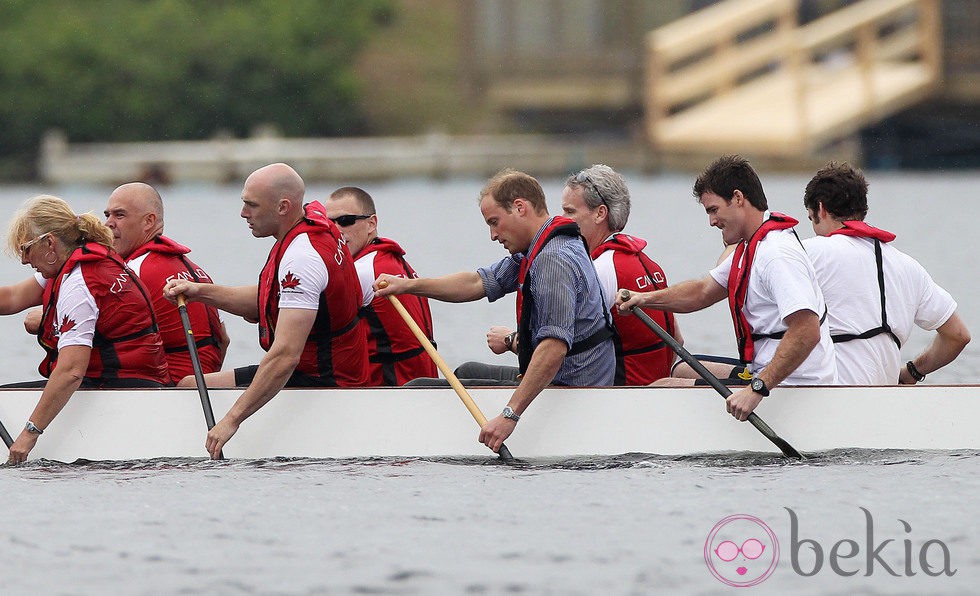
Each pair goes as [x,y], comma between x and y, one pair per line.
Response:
[567,305]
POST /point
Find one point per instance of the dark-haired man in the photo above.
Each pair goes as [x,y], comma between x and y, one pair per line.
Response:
[566,334]
[395,355]
[775,302]
[598,200]
[875,293]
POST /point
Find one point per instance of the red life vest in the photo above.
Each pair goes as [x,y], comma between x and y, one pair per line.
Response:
[127,344]
[860,229]
[863,230]
[395,354]
[559,226]
[738,281]
[336,349]
[166,260]
[643,357]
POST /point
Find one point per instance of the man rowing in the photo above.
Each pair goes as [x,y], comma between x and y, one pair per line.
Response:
[306,302]
[598,200]
[395,355]
[777,308]
[566,331]
[134,213]
[875,293]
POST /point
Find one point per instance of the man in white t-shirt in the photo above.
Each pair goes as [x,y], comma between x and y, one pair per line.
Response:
[309,266]
[776,304]
[875,293]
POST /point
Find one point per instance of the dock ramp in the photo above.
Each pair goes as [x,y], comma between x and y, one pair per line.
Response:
[743,76]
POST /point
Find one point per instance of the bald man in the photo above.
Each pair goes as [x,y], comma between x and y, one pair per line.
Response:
[134,213]
[306,302]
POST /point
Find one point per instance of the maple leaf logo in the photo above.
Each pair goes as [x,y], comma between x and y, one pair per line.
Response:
[290,281]
[66,325]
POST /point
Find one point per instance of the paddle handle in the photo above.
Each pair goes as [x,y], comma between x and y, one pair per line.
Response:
[5,436]
[202,387]
[709,378]
[444,368]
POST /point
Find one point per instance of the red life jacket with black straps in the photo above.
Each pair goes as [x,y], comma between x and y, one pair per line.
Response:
[559,226]
[164,260]
[642,357]
[395,354]
[127,343]
[738,283]
[336,349]
[860,229]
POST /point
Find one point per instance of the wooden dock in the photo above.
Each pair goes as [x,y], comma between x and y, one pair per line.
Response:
[742,77]
[333,159]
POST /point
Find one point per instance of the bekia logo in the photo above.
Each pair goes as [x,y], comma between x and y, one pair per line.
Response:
[742,551]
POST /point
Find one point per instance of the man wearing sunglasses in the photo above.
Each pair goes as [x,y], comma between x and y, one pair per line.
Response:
[394,353]
[599,202]
[566,331]
[309,266]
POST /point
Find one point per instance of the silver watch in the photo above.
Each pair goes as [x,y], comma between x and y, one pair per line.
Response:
[509,413]
[29,427]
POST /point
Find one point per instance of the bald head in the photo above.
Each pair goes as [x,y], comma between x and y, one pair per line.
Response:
[273,198]
[134,213]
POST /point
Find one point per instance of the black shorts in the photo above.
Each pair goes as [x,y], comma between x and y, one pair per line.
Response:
[245,375]
[739,375]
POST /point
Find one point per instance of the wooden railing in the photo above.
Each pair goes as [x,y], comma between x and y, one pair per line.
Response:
[729,47]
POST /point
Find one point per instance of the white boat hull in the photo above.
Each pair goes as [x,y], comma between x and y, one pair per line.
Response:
[562,422]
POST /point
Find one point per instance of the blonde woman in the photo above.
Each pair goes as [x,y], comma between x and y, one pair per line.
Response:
[97,326]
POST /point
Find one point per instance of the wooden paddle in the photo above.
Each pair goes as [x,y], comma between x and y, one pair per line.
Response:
[202,387]
[446,371]
[787,449]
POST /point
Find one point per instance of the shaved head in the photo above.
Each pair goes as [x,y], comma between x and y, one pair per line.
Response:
[273,200]
[277,181]
[134,213]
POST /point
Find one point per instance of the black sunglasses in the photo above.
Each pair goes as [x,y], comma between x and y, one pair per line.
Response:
[583,178]
[347,220]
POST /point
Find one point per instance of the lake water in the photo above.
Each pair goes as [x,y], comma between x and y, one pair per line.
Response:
[634,524]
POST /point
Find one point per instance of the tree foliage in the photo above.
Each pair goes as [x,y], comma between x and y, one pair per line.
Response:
[125,70]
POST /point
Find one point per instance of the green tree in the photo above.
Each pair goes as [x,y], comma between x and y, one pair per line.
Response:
[129,70]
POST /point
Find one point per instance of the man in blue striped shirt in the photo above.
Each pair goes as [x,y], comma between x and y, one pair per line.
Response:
[560,307]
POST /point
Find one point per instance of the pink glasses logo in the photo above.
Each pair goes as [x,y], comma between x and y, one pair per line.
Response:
[741,551]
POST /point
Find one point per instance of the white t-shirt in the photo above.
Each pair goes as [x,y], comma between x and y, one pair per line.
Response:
[608,281]
[848,275]
[365,275]
[303,276]
[76,311]
[782,281]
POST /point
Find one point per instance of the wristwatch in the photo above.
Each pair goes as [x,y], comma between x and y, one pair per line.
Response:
[509,413]
[509,341]
[759,386]
[29,427]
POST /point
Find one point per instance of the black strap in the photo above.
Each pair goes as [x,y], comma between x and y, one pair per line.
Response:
[391,357]
[591,341]
[780,334]
[650,348]
[101,340]
[884,327]
[201,343]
